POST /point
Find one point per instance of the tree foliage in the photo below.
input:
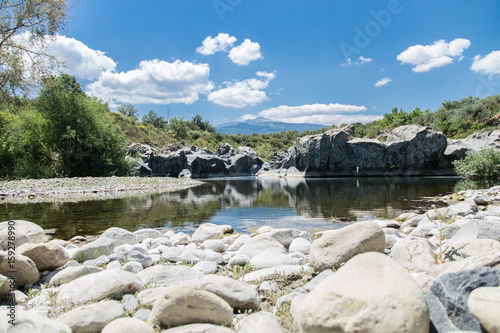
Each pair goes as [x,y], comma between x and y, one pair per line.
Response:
[81,131]
[153,119]
[128,110]
[25,28]
[63,132]
[482,164]
[456,119]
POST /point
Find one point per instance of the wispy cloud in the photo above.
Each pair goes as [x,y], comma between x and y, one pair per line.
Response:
[440,53]
[383,82]
[361,61]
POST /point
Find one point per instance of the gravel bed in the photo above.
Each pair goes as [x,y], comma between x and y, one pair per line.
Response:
[87,188]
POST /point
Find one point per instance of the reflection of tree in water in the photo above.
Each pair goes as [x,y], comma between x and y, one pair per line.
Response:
[341,198]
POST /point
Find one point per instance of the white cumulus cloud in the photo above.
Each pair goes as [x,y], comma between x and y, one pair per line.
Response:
[211,44]
[489,64]
[383,82]
[440,53]
[240,94]
[323,114]
[72,56]
[246,52]
[154,81]
[80,60]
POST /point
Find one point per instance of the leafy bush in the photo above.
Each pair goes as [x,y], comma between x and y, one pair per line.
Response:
[80,130]
[24,150]
[482,164]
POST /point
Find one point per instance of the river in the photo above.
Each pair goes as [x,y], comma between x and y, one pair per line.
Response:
[246,204]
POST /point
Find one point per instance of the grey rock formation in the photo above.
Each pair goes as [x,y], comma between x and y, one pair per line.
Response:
[408,150]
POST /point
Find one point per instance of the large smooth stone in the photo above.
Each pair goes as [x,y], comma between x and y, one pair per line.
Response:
[285,271]
[71,273]
[23,268]
[143,234]
[238,295]
[46,256]
[484,303]
[162,276]
[127,325]
[149,296]
[370,293]
[25,232]
[191,256]
[262,322]
[414,253]
[120,236]
[476,229]
[301,245]
[267,260]
[286,236]
[238,243]
[183,303]
[260,244]
[338,246]
[214,244]
[207,231]
[476,247]
[488,259]
[93,250]
[447,298]
[93,317]
[113,283]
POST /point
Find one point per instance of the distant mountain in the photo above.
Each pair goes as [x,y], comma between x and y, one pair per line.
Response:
[262,126]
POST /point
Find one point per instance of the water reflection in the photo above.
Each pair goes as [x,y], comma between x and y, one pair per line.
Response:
[243,203]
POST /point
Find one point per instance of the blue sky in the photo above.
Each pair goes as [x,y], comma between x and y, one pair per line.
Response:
[322,61]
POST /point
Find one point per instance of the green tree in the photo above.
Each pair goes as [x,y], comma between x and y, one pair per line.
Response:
[24,150]
[80,130]
[153,119]
[128,110]
[25,28]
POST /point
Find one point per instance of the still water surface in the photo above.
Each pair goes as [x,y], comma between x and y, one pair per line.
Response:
[308,204]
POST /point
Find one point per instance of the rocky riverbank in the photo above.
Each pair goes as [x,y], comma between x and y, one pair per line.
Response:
[87,188]
[432,272]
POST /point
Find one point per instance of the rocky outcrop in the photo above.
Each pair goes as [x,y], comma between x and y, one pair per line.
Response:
[457,149]
[203,163]
[408,151]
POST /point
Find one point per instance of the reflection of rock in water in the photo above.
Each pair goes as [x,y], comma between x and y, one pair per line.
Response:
[345,199]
